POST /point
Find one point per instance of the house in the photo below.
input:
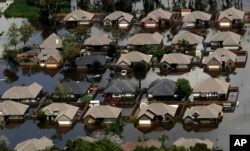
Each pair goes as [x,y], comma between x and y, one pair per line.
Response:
[98,44]
[127,59]
[156,18]
[86,62]
[62,113]
[229,18]
[12,110]
[34,144]
[162,89]
[102,114]
[191,142]
[177,61]
[78,17]
[49,58]
[118,19]
[192,39]
[156,112]
[196,19]
[219,59]
[185,12]
[210,114]
[129,146]
[118,88]
[227,39]
[140,40]
[211,88]
[52,42]
[23,93]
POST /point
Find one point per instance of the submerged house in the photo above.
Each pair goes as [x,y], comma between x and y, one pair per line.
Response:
[49,58]
[119,19]
[78,17]
[129,146]
[196,19]
[191,142]
[86,62]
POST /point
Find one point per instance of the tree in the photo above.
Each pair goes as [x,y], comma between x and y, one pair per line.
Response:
[163,138]
[140,148]
[108,5]
[199,147]
[184,44]
[4,142]
[96,66]
[26,30]
[142,138]
[139,66]
[115,127]
[41,116]
[61,92]
[183,88]
[13,34]
[2,122]
[86,98]
[124,5]
[81,33]
[112,50]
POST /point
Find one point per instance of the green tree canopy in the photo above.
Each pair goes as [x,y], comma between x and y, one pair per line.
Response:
[26,30]
[41,116]
[183,88]
[13,34]
[183,44]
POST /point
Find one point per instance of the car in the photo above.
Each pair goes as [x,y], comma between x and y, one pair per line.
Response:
[124,72]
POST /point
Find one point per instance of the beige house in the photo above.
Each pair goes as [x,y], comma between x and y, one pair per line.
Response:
[49,58]
[79,17]
[52,42]
[156,18]
[118,19]
[219,59]
[176,61]
[196,19]
[191,142]
[129,146]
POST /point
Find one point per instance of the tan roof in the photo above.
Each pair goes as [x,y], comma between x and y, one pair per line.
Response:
[79,15]
[146,39]
[9,107]
[188,142]
[45,54]
[60,110]
[23,92]
[53,41]
[228,38]
[157,14]
[210,111]
[129,146]
[98,40]
[231,13]
[212,85]
[154,109]
[188,36]
[133,56]
[195,15]
[176,58]
[103,111]
[34,144]
[221,54]
[119,15]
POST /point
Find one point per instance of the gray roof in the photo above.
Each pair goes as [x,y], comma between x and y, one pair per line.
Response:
[103,111]
[133,56]
[76,87]
[155,109]
[210,111]
[34,144]
[176,58]
[188,142]
[62,109]
[120,86]
[162,87]
[119,15]
[231,13]
[89,60]
[228,38]
[212,85]
[197,15]
[53,41]
[157,14]
[79,15]
[98,40]
[46,53]
[188,36]
[145,39]
[23,92]
[9,107]
[221,54]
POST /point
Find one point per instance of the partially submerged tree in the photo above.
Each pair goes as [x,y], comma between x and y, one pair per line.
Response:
[183,88]
[26,30]
[184,44]
[41,116]
[13,35]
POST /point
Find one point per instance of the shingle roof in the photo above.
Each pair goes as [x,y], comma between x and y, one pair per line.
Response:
[176,58]
[53,41]
[87,60]
[76,87]
[188,142]
[212,85]
[34,144]
[210,111]
[157,14]
[79,15]
[120,86]
[145,39]
[103,111]
[119,15]
[232,13]
[162,87]
[228,38]
[221,54]
[23,92]
[129,146]
[188,36]
[98,40]
[195,15]
[133,56]
[46,53]
[9,107]
[155,109]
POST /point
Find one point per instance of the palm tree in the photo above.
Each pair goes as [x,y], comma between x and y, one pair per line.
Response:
[163,138]
[184,44]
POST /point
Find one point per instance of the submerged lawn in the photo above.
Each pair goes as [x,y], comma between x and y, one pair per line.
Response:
[20,8]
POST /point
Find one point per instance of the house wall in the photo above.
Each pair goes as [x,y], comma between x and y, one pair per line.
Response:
[85,22]
[150,24]
[225,23]
[214,64]
[51,63]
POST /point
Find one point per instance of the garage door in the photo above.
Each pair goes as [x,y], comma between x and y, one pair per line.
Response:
[225,24]
[150,25]
[123,25]
[213,67]
[144,122]
[51,65]
[64,122]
